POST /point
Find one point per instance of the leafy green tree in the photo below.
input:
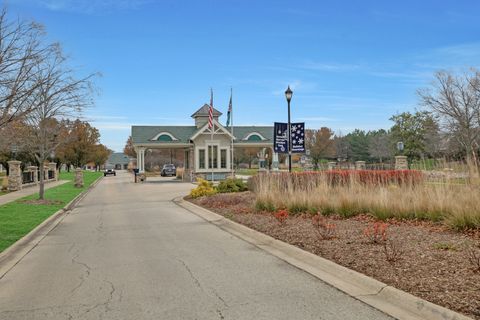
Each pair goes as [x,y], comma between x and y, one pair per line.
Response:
[412,129]
[358,143]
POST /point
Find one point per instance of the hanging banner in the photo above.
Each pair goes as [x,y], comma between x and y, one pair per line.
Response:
[280,138]
[298,137]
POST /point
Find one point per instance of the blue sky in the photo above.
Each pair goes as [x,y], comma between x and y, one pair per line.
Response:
[351,64]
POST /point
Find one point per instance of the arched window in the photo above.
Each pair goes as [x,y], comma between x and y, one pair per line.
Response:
[254,136]
[164,137]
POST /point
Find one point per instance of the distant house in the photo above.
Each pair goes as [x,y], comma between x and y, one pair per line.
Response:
[118,161]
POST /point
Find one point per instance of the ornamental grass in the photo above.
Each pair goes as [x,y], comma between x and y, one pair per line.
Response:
[401,194]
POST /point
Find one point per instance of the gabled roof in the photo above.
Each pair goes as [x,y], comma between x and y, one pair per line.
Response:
[118,158]
[217,127]
[203,112]
[145,134]
[242,132]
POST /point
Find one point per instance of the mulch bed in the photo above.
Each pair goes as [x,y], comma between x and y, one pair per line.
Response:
[42,202]
[433,262]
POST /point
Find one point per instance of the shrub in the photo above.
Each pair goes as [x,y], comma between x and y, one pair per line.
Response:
[281,216]
[473,254]
[324,230]
[376,232]
[232,185]
[392,250]
[204,188]
[264,205]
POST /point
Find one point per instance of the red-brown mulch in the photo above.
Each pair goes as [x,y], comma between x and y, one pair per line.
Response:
[42,202]
[433,264]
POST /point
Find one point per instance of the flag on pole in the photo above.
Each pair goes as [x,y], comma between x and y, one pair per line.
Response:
[229,113]
[210,111]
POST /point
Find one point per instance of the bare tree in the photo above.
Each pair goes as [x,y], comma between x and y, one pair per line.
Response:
[22,50]
[379,145]
[455,99]
[320,143]
[59,96]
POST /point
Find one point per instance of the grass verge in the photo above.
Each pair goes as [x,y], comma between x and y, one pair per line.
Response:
[18,218]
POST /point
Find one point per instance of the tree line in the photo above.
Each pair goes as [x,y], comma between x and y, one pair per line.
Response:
[446,124]
[41,99]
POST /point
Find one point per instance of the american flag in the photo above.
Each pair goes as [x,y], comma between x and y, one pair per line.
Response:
[210,111]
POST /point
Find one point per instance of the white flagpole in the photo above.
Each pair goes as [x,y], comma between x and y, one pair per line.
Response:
[231,131]
[211,138]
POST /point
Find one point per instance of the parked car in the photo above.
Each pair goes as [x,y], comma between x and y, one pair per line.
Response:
[109,172]
[168,170]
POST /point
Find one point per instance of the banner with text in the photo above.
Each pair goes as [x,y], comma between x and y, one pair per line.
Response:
[280,138]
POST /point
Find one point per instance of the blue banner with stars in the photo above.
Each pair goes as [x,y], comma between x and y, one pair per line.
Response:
[280,138]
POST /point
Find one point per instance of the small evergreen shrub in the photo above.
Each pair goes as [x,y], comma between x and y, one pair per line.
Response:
[204,188]
[232,185]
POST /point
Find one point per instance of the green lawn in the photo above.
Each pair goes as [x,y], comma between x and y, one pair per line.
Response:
[17,218]
[247,172]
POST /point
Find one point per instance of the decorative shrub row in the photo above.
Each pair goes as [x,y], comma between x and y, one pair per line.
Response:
[206,188]
[311,179]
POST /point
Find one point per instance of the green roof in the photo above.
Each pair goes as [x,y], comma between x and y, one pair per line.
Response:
[204,112]
[145,134]
[118,158]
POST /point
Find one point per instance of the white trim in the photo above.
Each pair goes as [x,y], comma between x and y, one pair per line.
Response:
[256,134]
[164,133]
[217,125]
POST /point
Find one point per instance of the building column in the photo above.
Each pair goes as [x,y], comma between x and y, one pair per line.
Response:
[261,160]
[14,175]
[141,160]
[274,160]
[52,166]
[34,170]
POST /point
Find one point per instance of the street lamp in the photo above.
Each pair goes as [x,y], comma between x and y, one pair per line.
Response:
[14,151]
[288,95]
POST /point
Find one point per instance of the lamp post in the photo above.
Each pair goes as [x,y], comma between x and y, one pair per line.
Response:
[288,95]
[14,151]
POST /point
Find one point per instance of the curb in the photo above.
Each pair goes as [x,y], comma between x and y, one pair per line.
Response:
[393,302]
[15,253]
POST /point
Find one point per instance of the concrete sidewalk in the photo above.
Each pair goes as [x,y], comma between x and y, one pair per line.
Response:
[12,196]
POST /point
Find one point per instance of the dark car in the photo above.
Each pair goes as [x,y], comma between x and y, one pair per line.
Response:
[109,172]
[168,170]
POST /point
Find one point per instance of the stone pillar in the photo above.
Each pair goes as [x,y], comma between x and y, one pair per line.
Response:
[275,161]
[360,165]
[78,178]
[332,165]
[401,163]
[34,170]
[52,166]
[14,176]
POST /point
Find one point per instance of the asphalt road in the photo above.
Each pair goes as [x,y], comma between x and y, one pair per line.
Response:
[128,252]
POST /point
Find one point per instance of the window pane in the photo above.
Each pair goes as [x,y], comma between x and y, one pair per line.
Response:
[201,159]
[223,158]
[213,156]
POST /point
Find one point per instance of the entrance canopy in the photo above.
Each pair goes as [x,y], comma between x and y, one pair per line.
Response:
[204,152]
